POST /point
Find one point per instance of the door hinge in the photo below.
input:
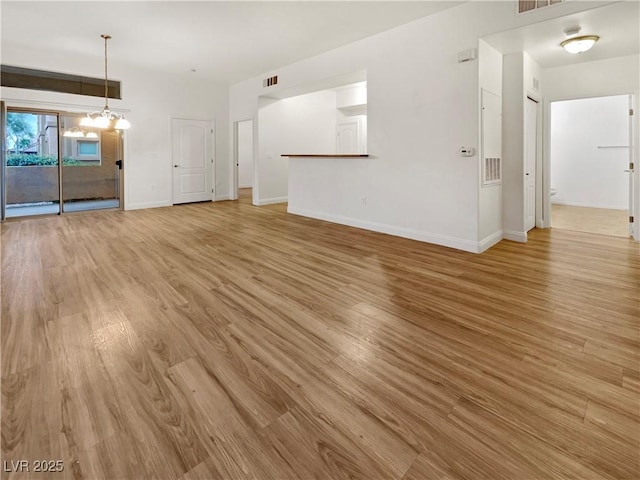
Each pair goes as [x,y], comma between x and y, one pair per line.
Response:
[631,165]
[631,219]
[631,112]
[212,130]
[212,190]
[212,160]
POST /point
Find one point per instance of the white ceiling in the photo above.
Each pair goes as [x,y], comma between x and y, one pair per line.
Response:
[229,41]
[618,26]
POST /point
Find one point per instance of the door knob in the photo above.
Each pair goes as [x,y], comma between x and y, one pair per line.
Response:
[176,166]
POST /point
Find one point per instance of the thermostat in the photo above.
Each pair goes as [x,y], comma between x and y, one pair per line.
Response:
[466,151]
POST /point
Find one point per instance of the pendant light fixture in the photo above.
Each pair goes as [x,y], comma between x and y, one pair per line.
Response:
[76,132]
[104,118]
[578,44]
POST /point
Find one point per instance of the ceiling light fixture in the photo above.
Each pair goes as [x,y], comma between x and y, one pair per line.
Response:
[104,118]
[76,132]
[578,44]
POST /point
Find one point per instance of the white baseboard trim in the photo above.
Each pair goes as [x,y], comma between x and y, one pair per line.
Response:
[458,243]
[219,198]
[515,236]
[588,205]
[488,242]
[140,206]
[270,201]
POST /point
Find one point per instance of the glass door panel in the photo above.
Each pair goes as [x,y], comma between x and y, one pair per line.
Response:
[90,167]
[32,164]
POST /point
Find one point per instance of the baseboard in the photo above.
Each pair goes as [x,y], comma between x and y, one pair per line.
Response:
[490,241]
[443,240]
[586,205]
[515,236]
[270,201]
[219,198]
[245,186]
[140,206]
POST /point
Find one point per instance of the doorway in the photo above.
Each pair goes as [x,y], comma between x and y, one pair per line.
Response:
[530,162]
[52,165]
[590,155]
[243,135]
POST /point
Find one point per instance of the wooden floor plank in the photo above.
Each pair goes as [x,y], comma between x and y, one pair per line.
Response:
[224,340]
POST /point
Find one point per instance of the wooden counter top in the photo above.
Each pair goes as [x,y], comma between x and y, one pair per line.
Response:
[326,155]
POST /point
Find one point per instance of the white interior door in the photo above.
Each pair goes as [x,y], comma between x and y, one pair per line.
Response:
[530,153]
[631,170]
[351,135]
[192,160]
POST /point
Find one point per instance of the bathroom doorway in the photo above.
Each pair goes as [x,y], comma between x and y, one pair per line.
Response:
[591,166]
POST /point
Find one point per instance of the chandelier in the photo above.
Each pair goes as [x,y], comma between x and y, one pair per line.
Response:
[104,118]
[76,132]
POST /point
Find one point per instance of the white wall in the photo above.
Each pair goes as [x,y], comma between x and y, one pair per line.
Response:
[302,124]
[150,100]
[422,107]
[519,72]
[615,76]
[583,174]
[245,154]
[489,196]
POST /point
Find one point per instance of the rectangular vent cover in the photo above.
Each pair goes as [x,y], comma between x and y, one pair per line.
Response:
[529,5]
[492,170]
[268,82]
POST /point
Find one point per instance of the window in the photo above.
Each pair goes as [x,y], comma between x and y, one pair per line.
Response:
[87,148]
[31,79]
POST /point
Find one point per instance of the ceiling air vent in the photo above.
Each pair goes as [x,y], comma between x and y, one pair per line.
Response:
[492,171]
[268,82]
[529,5]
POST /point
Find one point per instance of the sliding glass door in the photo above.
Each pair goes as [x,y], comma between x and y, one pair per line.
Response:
[32,166]
[49,156]
[91,166]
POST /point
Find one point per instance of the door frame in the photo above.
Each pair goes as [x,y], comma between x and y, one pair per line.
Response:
[538,198]
[236,178]
[212,139]
[3,151]
[58,114]
[545,188]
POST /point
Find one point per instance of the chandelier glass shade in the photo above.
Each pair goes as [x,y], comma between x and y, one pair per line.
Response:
[105,118]
[76,132]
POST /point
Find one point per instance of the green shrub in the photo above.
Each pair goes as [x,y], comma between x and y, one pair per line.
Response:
[29,160]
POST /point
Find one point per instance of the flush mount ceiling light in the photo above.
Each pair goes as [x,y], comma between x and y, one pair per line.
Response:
[104,118]
[578,44]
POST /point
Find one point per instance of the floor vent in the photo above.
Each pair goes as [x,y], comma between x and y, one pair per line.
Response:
[268,82]
[492,171]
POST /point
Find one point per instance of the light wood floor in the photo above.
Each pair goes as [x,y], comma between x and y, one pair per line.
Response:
[231,341]
[591,220]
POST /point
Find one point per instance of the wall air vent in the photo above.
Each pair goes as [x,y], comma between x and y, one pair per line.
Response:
[268,82]
[529,5]
[492,171]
